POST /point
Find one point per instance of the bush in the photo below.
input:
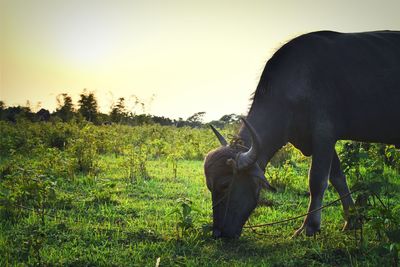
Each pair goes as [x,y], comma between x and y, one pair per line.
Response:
[83,150]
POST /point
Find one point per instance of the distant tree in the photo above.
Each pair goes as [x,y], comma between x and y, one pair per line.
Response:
[196,117]
[137,103]
[28,106]
[162,120]
[43,115]
[14,113]
[180,122]
[2,109]
[226,120]
[142,119]
[230,118]
[196,120]
[102,118]
[217,123]
[88,106]
[118,112]
[65,107]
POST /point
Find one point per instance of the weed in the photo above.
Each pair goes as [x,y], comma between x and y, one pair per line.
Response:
[185,217]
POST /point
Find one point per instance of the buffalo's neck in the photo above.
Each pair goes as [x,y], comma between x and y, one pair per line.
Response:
[271,125]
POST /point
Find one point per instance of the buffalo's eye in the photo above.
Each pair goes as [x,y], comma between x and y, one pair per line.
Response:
[223,186]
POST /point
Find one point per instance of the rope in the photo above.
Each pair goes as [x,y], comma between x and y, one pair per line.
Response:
[299,216]
[249,226]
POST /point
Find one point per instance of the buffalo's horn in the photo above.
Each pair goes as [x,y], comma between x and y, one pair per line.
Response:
[219,136]
[246,159]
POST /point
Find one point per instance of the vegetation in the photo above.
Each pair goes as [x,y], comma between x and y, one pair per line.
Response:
[80,193]
[87,110]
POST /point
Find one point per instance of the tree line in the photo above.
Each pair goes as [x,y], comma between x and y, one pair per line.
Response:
[87,110]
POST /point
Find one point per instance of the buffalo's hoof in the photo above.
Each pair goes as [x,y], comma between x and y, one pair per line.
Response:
[310,230]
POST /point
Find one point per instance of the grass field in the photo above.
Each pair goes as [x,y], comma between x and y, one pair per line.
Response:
[107,219]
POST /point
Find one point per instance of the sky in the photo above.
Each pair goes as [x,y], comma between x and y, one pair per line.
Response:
[178,57]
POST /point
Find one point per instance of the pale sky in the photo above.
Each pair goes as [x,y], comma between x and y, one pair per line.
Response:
[191,55]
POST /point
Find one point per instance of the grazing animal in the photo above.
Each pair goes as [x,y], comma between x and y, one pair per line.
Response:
[316,89]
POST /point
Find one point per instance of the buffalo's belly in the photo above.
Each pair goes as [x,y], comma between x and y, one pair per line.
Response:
[372,127]
[369,112]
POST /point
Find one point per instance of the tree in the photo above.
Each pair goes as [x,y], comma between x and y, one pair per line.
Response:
[14,113]
[88,106]
[65,109]
[43,115]
[118,112]
[2,109]
[225,120]
[196,119]
[230,118]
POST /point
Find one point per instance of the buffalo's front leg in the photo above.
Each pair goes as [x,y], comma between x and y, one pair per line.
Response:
[318,181]
[338,180]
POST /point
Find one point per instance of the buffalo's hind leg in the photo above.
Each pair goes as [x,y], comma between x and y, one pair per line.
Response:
[338,180]
[323,149]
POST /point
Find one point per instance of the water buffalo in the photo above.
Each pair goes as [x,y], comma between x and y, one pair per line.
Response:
[316,89]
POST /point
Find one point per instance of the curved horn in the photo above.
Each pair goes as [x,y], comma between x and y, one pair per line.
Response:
[248,158]
[219,136]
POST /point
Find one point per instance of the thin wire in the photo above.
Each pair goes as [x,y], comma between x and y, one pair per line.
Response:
[299,216]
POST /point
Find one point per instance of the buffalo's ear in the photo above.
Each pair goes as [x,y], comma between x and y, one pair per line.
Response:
[258,173]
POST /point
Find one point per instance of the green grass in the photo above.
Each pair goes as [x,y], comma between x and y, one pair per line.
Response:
[111,221]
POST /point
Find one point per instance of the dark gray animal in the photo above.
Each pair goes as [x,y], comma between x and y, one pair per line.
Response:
[316,89]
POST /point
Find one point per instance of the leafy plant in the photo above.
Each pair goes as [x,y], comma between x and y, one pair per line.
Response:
[84,151]
[368,163]
[23,192]
[185,217]
[135,163]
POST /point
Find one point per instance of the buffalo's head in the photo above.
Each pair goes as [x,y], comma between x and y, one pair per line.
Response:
[235,179]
